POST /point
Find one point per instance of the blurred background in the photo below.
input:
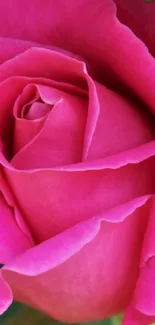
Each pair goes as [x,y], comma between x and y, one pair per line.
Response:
[19,314]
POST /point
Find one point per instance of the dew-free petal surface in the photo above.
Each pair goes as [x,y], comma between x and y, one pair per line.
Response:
[121,125]
[123,55]
[61,138]
[49,64]
[139,17]
[134,64]
[82,194]
[6,297]
[78,264]
[12,240]
[142,307]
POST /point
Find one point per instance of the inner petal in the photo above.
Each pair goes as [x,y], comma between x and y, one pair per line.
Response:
[54,138]
[27,97]
[37,110]
[60,140]
[123,124]
[30,113]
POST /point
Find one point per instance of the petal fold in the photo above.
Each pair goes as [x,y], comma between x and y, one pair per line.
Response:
[61,271]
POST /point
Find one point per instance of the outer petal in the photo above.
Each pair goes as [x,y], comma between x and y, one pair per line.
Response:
[119,50]
[73,272]
[14,235]
[135,317]
[12,240]
[45,63]
[6,297]
[142,307]
[10,47]
[121,125]
[82,194]
[139,17]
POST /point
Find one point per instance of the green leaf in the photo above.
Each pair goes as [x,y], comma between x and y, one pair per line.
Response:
[148,1]
[117,320]
[103,322]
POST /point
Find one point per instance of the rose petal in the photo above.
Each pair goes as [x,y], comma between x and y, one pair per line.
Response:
[6,297]
[82,194]
[12,240]
[15,86]
[27,97]
[28,124]
[61,139]
[49,64]
[66,277]
[132,156]
[10,204]
[139,18]
[11,47]
[14,234]
[121,125]
[143,298]
[119,49]
[37,111]
[135,317]
[143,133]
[149,242]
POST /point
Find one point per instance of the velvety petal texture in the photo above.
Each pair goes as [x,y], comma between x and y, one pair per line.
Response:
[140,19]
[101,48]
[78,265]
[142,308]
[77,159]
[62,135]
[13,240]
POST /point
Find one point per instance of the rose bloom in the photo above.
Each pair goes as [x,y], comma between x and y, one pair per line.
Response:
[77,145]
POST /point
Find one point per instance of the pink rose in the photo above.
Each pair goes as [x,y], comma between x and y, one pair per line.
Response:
[77,105]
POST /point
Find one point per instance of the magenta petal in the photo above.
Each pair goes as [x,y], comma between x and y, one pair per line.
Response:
[118,49]
[131,156]
[12,47]
[14,235]
[133,14]
[149,242]
[82,194]
[37,111]
[78,264]
[6,297]
[45,63]
[121,125]
[27,123]
[142,307]
[135,317]
[144,295]
[61,139]
[13,240]
[9,48]
[13,86]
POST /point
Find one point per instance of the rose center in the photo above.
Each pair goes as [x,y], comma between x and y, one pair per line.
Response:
[36,110]
[30,113]
[30,106]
